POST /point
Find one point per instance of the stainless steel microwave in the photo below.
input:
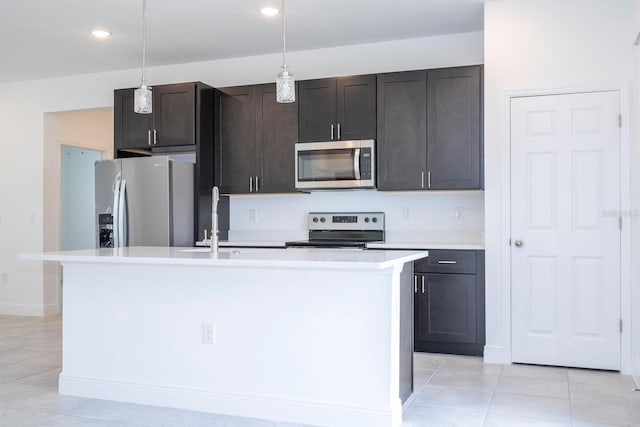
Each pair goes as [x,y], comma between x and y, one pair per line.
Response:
[335,164]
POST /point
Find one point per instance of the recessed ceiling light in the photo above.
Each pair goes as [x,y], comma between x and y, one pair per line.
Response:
[269,11]
[101,34]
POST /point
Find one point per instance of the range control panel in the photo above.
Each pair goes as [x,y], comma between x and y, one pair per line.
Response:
[346,221]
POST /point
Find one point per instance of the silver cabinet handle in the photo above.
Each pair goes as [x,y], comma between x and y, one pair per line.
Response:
[415,283]
[429,179]
[421,179]
[519,243]
[250,184]
[423,284]
[447,262]
[149,137]
[257,188]
[339,132]
[155,136]
[332,129]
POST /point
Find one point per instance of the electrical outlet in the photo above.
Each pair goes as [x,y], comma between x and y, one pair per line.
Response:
[405,213]
[459,214]
[208,333]
[5,278]
[253,215]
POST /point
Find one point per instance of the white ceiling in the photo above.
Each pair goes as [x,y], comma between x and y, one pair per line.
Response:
[45,38]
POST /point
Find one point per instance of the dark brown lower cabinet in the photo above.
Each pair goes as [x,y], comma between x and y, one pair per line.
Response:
[449,315]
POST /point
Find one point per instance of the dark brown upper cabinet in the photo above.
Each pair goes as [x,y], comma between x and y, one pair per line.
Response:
[340,108]
[402,130]
[430,129]
[255,140]
[172,123]
[454,122]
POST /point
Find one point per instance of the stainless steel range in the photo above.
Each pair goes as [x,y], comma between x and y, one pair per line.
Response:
[342,230]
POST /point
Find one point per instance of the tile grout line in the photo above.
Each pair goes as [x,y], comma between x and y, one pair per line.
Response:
[569,396]
[493,395]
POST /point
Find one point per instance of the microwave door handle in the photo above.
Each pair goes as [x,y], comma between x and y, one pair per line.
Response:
[356,162]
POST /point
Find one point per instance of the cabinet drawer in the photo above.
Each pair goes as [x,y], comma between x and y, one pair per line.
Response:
[447,261]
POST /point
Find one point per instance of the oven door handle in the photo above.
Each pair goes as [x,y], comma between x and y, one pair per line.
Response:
[356,162]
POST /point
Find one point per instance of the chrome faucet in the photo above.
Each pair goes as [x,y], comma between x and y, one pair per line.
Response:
[215,198]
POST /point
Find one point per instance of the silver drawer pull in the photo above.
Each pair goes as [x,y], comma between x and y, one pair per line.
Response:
[415,284]
[447,262]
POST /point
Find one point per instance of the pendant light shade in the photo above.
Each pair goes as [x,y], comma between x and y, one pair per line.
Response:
[285,84]
[142,97]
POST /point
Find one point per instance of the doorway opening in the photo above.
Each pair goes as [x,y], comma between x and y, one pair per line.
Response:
[90,131]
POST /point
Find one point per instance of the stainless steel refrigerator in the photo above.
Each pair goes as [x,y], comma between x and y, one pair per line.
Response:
[144,201]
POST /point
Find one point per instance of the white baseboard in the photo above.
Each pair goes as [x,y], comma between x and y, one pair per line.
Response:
[635,368]
[267,407]
[496,354]
[28,310]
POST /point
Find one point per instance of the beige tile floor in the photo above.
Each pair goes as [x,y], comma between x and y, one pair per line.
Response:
[450,391]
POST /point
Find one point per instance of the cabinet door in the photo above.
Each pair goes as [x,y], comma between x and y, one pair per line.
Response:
[445,308]
[453,128]
[402,130]
[276,135]
[131,130]
[317,110]
[174,114]
[356,107]
[237,145]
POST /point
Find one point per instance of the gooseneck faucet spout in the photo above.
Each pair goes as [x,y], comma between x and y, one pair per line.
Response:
[215,198]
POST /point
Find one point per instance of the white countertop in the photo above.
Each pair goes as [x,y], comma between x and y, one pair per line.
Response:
[426,245]
[347,259]
[403,245]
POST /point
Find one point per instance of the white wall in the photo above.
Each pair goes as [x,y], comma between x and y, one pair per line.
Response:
[635,205]
[539,45]
[409,216]
[24,104]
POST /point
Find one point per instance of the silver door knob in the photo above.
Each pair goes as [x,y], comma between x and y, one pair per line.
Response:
[519,243]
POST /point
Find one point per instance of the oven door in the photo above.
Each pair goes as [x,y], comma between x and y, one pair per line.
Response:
[335,164]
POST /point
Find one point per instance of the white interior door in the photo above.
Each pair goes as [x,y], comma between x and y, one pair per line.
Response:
[565,235]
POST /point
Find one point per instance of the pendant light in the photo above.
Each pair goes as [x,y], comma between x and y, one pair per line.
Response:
[142,99]
[285,84]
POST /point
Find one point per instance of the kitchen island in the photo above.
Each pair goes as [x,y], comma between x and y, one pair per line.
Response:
[314,336]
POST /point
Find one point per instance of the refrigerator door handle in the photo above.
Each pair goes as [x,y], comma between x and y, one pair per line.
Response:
[116,203]
[123,193]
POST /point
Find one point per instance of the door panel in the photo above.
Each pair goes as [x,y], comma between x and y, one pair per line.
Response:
[454,127]
[565,184]
[276,136]
[356,107]
[238,151]
[131,130]
[147,201]
[402,130]
[174,116]
[316,110]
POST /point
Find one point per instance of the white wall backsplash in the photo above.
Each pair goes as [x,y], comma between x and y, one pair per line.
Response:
[282,216]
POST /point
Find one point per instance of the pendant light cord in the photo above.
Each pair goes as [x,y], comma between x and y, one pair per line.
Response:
[284,42]
[144,39]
